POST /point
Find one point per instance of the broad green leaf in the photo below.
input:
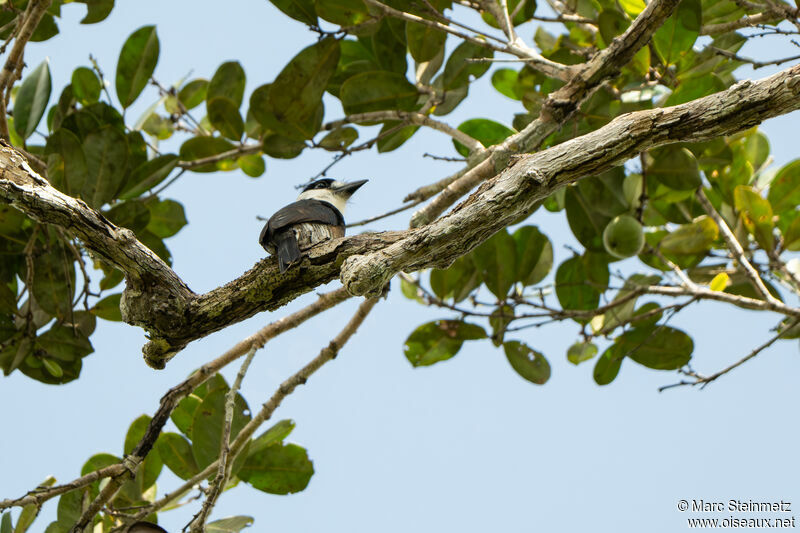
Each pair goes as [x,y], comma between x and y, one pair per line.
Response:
[167,217]
[487,132]
[662,348]
[85,85]
[151,467]
[410,291]
[207,426]
[176,452]
[611,23]
[54,281]
[424,42]
[496,260]
[573,288]
[232,524]
[224,115]
[339,139]
[501,317]
[791,237]
[450,97]
[675,167]
[46,29]
[32,99]
[392,141]
[157,126]
[523,14]
[389,48]
[439,341]
[505,81]
[691,239]
[193,93]
[66,162]
[581,351]
[342,12]
[252,164]
[756,215]
[607,366]
[64,343]
[756,148]
[527,362]
[5,523]
[272,436]
[228,82]
[96,10]
[108,308]
[694,88]
[278,469]
[106,161]
[784,191]
[137,61]
[456,281]
[378,91]
[148,175]
[280,147]
[585,220]
[293,104]
[458,71]
[679,31]
[53,368]
[534,255]
[132,214]
[202,147]
[302,10]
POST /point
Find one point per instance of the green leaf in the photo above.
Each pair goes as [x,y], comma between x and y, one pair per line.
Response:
[534,255]
[85,85]
[228,82]
[252,164]
[137,61]
[573,287]
[148,175]
[132,214]
[176,452]
[207,426]
[108,308]
[342,12]
[784,191]
[193,93]
[167,217]
[157,126]
[756,148]
[496,260]
[487,132]
[280,147]
[505,81]
[679,32]
[54,281]
[232,524]
[278,469]
[106,162]
[5,523]
[662,348]
[676,168]
[439,341]
[608,365]
[585,219]
[389,46]
[339,139]
[377,91]
[302,10]
[53,368]
[791,237]
[756,215]
[527,362]
[458,71]
[66,162]
[202,147]
[611,23]
[31,100]
[64,343]
[456,281]
[272,436]
[691,239]
[581,351]
[393,141]
[292,104]
[424,41]
[46,29]
[96,10]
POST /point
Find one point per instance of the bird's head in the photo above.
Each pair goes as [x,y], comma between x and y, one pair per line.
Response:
[334,192]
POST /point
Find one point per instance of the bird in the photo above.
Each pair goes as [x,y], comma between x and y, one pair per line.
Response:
[146,527]
[316,216]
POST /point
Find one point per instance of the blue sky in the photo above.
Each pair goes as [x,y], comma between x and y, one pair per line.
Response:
[465,445]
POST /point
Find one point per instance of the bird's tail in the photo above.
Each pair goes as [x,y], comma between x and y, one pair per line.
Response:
[287,248]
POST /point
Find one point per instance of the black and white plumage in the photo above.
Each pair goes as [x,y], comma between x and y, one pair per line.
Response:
[316,216]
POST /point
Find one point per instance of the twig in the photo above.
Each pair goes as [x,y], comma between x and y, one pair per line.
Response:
[735,248]
[755,64]
[33,14]
[745,21]
[236,152]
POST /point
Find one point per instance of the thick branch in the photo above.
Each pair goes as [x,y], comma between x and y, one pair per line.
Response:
[532,178]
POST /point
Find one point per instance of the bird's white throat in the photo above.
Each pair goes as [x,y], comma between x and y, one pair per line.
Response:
[325,195]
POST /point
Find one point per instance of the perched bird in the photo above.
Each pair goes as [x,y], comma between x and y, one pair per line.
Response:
[316,216]
[146,527]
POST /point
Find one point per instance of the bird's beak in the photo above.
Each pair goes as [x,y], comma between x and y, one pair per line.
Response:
[349,188]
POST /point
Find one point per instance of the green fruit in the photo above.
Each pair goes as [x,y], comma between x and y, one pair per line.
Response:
[581,351]
[623,237]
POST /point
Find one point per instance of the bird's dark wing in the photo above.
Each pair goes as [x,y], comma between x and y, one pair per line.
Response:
[305,211]
[298,212]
